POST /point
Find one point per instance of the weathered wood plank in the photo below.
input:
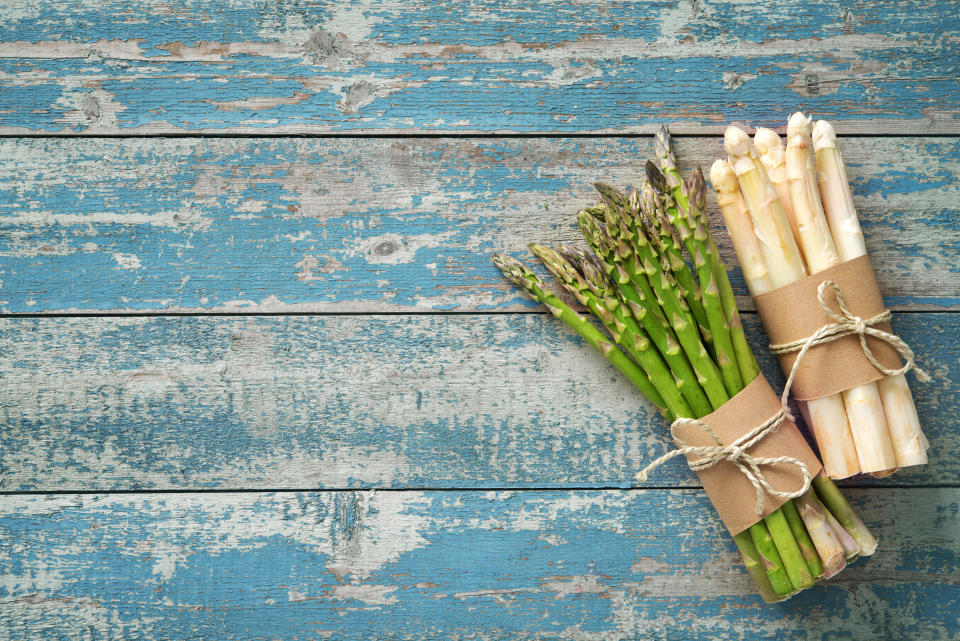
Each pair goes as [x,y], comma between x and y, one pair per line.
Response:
[365,225]
[560,66]
[470,565]
[293,402]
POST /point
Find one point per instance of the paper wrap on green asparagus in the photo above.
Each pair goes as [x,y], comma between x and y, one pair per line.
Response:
[730,491]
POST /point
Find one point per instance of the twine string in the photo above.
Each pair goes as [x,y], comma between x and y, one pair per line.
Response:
[845,324]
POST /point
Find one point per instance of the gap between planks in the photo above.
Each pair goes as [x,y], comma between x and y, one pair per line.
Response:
[452,135]
[846,484]
[413,312]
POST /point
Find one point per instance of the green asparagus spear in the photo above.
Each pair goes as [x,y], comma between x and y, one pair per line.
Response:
[770,558]
[521,276]
[694,240]
[623,329]
[651,210]
[746,362]
[754,565]
[789,550]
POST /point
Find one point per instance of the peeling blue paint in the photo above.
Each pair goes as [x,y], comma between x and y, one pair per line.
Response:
[439,209]
[451,84]
[207,429]
[231,403]
[536,565]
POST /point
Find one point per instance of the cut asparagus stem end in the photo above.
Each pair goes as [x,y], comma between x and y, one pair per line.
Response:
[909,443]
[827,418]
[850,548]
[868,425]
[824,536]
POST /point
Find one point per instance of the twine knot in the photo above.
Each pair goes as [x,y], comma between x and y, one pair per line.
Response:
[858,325]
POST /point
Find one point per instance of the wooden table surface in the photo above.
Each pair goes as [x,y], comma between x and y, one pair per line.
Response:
[258,379]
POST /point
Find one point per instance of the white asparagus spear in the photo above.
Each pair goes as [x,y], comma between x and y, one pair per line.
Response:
[740,227]
[813,232]
[770,150]
[909,442]
[779,249]
[828,418]
[864,407]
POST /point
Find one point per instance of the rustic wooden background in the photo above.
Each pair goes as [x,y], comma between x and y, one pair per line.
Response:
[258,379]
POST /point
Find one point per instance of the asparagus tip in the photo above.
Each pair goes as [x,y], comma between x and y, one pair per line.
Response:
[723,176]
[823,135]
[766,139]
[662,141]
[798,123]
[657,180]
[736,141]
[696,187]
[513,270]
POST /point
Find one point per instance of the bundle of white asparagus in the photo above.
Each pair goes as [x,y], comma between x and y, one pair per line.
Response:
[790,213]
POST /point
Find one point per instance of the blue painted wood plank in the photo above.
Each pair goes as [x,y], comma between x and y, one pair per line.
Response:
[292,402]
[441,565]
[362,225]
[565,66]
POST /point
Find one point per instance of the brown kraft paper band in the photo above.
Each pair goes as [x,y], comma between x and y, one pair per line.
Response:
[730,491]
[793,312]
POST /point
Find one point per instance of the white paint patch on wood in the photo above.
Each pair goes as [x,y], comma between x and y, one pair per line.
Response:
[127,261]
[705,590]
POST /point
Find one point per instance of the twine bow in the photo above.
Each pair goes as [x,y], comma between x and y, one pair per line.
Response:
[736,453]
[846,324]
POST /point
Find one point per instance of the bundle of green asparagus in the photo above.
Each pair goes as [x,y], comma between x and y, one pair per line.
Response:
[655,282]
[790,213]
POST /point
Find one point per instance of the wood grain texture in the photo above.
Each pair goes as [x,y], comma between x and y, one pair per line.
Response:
[297,402]
[358,225]
[433,409]
[610,565]
[561,66]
